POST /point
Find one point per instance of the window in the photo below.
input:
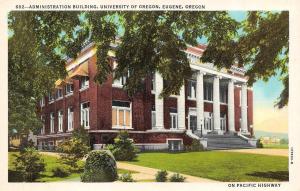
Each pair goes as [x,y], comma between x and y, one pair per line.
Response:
[153,83]
[70,118]
[43,123]
[42,102]
[208,91]
[223,94]
[59,93]
[208,121]
[51,122]
[84,82]
[153,116]
[175,145]
[60,121]
[51,97]
[85,115]
[69,88]
[192,89]
[121,114]
[120,82]
[223,121]
[174,118]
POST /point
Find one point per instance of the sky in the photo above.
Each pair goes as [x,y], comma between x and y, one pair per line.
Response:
[266,116]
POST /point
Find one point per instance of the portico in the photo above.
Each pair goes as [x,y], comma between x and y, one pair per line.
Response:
[206,86]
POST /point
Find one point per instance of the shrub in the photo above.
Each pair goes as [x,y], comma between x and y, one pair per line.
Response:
[259,144]
[126,177]
[100,166]
[75,148]
[72,151]
[196,146]
[161,176]
[61,171]
[177,178]
[30,164]
[123,149]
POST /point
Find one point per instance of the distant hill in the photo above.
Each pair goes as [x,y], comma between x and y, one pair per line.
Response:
[270,134]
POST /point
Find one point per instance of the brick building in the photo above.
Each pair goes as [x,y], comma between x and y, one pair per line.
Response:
[220,100]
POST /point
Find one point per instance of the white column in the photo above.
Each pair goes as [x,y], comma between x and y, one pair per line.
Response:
[199,101]
[181,108]
[231,106]
[216,104]
[244,114]
[159,102]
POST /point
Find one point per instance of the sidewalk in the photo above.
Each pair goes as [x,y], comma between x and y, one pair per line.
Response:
[274,152]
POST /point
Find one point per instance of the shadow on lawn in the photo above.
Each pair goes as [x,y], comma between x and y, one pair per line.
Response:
[278,175]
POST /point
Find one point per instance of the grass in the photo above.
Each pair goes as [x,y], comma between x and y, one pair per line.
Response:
[274,146]
[221,166]
[47,176]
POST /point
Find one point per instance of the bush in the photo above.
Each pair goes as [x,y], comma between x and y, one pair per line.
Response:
[123,149]
[161,176]
[177,178]
[100,166]
[61,171]
[259,144]
[195,146]
[126,177]
[30,164]
[75,148]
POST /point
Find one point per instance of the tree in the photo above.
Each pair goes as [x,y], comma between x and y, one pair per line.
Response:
[151,41]
[29,164]
[123,149]
[75,148]
[261,47]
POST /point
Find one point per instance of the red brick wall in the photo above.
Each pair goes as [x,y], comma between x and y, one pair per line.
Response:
[237,107]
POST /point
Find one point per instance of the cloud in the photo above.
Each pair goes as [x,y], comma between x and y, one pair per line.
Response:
[271,119]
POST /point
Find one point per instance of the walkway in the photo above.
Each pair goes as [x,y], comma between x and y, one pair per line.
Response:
[275,152]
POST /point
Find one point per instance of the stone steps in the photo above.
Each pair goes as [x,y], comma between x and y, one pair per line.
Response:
[226,141]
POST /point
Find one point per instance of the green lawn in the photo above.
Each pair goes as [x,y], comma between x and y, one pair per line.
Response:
[47,176]
[222,166]
[273,146]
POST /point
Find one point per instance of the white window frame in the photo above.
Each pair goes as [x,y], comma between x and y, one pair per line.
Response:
[223,94]
[60,120]
[153,118]
[70,119]
[43,124]
[59,95]
[68,91]
[208,87]
[153,84]
[52,119]
[173,125]
[172,145]
[208,121]
[42,102]
[84,83]
[85,116]
[192,112]
[119,83]
[124,109]
[192,89]
[51,98]
[223,123]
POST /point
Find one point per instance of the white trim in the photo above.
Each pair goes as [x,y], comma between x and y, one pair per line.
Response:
[81,59]
[172,146]
[214,72]
[124,115]
[87,114]
[69,94]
